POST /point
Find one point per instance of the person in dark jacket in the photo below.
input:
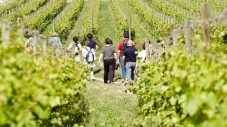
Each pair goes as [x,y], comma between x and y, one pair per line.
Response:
[130,54]
[92,42]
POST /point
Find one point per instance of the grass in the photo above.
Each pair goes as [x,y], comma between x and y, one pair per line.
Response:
[110,106]
[107,29]
[107,25]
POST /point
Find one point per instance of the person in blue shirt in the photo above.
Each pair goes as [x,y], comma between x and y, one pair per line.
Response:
[92,42]
[129,56]
[55,42]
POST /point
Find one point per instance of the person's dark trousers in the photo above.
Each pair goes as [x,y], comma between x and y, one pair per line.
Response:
[109,77]
[109,66]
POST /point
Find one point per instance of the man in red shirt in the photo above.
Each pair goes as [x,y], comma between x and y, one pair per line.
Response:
[120,54]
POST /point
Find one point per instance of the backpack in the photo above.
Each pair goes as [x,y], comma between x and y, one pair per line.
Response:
[76,50]
[125,45]
[89,56]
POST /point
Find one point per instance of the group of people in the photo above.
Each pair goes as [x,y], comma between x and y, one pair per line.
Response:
[125,56]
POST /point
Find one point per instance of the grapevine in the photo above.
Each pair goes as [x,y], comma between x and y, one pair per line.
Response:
[64,25]
[41,20]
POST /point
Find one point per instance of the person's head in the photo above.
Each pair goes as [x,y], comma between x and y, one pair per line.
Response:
[87,43]
[89,36]
[54,34]
[75,39]
[126,35]
[143,46]
[108,41]
[130,43]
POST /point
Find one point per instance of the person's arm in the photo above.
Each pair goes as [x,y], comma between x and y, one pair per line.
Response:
[70,47]
[123,58]
[118,51]
[84,52]
[117,60]
[96,47]
[118,54]
[100,57]
[136,69]
[115,56]
[93,51]
[26,43]
[79,46]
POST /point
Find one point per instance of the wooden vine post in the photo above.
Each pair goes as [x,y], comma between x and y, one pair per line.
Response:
[6,29]
[174,35]
[53,21]
[129,24]
[45,41]
[206,26]
[91,17]
[188,36]
[35,42]
[53,24]
[148,49]
[127,20]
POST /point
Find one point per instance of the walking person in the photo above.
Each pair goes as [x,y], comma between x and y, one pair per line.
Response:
[29,45]
[56,43]
[129,57]
[121,47]
[142,54]
[76,47]
[92,42]
[142,58]
[116,65]
[89,57]
[109,59]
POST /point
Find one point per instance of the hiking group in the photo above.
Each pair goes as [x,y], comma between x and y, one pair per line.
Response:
[125,56]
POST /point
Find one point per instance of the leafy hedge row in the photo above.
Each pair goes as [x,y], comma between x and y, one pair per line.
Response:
[11,5]
[155,26]
[120,23]
[40,20]
[96,16]
[26,10]
[40,92]
[95,12]
[64,25]
[166,9]
[184,91]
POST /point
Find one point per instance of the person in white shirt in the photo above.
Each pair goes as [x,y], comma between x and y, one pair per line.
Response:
[142,58]
[76,47]
[142,54]
[90,62]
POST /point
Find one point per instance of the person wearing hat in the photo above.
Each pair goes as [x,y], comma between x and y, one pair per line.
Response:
[129,56]
[55,42]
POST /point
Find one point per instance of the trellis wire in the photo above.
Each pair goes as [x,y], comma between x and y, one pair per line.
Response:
[6,13]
